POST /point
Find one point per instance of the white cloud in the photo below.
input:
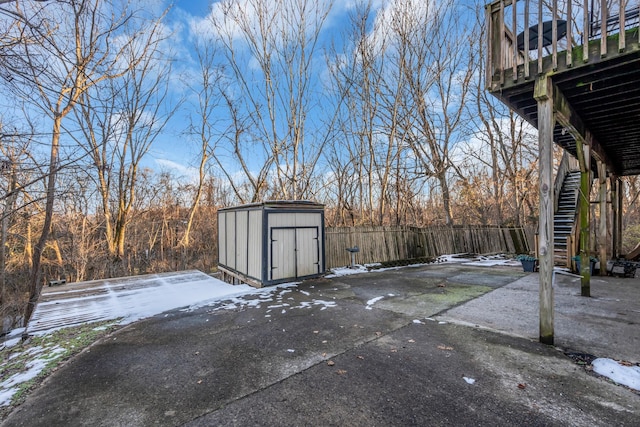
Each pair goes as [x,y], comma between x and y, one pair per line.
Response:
[188,172]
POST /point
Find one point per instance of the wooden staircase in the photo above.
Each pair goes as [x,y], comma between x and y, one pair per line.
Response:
[565,217]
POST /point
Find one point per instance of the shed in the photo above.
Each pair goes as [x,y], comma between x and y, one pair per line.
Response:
[271,242]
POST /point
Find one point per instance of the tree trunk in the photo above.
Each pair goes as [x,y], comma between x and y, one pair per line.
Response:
[35,280]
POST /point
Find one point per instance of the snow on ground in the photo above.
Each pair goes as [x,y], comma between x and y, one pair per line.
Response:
[125,305]
[466,259]
[346,271]
[273,297]
[375,300]
[125,301]
[132,300]
[618,373]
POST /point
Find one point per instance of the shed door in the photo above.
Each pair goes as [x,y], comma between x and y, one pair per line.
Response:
[295,252]
[307,252]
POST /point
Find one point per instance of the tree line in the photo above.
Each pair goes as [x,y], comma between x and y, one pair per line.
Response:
[379,112]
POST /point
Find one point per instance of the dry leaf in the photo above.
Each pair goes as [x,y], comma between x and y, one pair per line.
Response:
[360,357]
[394,350]
[522,386]
[324,354]
[331,363]
[197,353]
[625,363]
[199,381]
[378,334]
[442,285]
[412,340]
[341,372]
[316,332]
[445,347]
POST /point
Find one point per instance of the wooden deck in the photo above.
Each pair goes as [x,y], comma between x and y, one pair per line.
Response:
[595,71]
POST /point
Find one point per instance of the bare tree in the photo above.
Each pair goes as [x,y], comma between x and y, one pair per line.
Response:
[271,101]
[433,52]
[120,119]
[367,84]
[66,47]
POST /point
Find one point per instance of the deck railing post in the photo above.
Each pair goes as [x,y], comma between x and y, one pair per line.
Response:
[489,65]
[501,31]
[604,15]
[514,19]
[554,35]
[569,35]
[586,32]
[526,39]
[540,33]
[622,42]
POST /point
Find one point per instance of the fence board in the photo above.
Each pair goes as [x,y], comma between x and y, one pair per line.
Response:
[381,243]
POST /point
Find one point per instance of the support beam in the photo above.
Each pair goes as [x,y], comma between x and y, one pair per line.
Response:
[618,227]
[603,243]
[543,94]
[570,120]
[615,209]
[584,209]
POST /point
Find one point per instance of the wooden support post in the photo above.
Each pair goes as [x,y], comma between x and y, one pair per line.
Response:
[584,209]
[603,243]
[618,231]
[543,93]
[614,215]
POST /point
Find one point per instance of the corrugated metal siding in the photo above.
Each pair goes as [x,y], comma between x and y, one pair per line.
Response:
[308,220]
[282,220]
[231,239]
[222,238]
[254,263]
[292,239]
[242,241]
[295,219]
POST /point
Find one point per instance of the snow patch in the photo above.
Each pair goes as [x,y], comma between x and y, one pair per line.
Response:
[625,375]
[347,271]
[9,387]
[144,298]
[373,301]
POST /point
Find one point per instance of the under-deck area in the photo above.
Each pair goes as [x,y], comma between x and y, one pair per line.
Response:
[597,87]
[572,70]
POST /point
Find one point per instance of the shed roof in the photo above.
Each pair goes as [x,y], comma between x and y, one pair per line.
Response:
[277,204]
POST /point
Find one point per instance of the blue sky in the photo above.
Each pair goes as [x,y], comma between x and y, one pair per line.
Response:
[193,7]
[171,150]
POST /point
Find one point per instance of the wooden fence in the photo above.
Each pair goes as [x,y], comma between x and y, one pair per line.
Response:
[380,244]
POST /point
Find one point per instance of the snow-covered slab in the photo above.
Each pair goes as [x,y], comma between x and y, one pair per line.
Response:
[126,298]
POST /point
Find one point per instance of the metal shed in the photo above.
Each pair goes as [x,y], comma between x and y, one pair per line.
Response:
[272,242]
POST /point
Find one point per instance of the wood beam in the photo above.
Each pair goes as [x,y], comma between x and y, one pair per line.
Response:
[617,229]
[584,209]
[614,215]
[603,243]
[569,119]
[543,93]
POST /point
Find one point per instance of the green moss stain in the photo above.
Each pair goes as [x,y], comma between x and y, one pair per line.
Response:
[452,295]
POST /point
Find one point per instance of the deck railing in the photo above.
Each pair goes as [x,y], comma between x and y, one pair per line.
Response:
[535,34]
